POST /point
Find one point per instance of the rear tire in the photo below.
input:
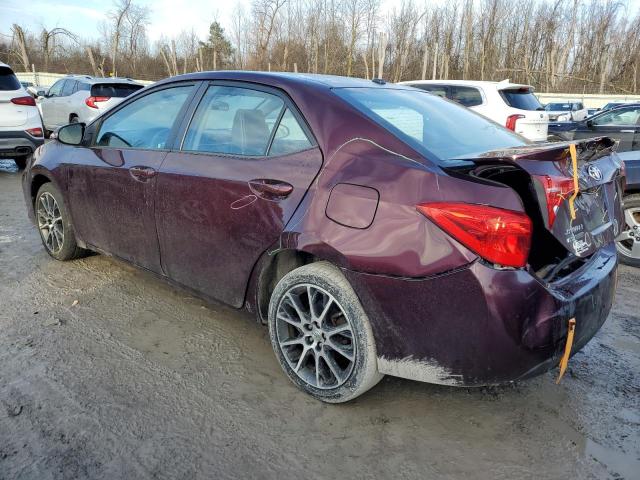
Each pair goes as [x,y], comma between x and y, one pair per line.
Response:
[21,161]
[321,334]
[628,243]
[54,224]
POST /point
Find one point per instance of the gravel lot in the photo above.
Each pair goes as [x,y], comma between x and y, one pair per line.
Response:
[107,372]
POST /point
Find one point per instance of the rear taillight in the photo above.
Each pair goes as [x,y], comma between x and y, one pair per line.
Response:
[499,236]
[28,101]
[91,101]
[556,191]
[34,132]
[511,121]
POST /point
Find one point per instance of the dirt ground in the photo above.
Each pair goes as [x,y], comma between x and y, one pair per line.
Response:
[107,373]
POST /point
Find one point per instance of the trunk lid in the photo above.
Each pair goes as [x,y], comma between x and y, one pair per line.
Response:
[596,216]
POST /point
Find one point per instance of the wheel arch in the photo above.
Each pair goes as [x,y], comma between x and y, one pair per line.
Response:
[36,182]
[269,270]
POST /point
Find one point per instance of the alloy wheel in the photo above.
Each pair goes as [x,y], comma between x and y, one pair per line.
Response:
[50,222]
[315,336]
[628,242]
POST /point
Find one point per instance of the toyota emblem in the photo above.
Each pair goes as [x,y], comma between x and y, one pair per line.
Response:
[594,172]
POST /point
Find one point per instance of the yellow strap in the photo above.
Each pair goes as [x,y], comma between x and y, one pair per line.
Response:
[564,361]
[576,186]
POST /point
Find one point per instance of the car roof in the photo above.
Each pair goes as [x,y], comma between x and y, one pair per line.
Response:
[93,80]
[4,65]
[288,78]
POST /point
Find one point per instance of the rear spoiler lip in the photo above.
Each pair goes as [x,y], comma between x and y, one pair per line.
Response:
[592,148]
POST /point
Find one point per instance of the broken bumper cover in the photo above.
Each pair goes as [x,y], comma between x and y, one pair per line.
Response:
[482,326]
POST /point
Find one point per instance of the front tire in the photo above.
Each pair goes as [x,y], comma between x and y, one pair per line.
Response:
[54,224]
[321,334]
[628,242]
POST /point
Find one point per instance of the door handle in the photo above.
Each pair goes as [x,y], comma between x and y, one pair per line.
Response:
[142,174]
[270,189]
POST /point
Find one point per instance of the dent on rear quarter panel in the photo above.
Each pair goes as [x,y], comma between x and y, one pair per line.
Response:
[399,241]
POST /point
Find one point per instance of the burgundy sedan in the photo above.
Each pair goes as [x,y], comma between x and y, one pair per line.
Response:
[376,229]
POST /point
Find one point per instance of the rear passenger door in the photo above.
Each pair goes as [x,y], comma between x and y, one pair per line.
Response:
[244,163]
[49,105]
[64,102]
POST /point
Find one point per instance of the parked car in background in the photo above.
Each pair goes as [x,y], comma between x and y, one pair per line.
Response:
[79,98]
[512,105]
[592,111]
[621,123]
[351,216]
[20,125]
[611,105]
[629,241]
[566,112]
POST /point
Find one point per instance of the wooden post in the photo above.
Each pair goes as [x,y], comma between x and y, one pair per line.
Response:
[295,67]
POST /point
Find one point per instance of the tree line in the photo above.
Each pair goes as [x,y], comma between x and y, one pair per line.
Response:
[590,46]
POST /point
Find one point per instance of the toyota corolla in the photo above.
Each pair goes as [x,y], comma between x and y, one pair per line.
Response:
[376,229]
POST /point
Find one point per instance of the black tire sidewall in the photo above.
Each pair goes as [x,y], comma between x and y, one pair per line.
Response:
[630,201]
[329,278]
[21,161]
[69,248]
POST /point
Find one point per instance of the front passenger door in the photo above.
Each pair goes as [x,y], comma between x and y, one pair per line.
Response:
[620,124]
[112,183]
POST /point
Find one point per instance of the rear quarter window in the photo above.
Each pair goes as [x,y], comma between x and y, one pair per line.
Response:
[8,80]
[466,96]
[117,90]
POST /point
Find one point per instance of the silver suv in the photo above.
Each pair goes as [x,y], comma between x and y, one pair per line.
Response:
[79,98]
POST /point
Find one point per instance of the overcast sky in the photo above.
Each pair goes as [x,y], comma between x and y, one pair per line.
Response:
[168,17]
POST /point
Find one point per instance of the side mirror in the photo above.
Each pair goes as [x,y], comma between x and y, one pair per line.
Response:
[71,134]
[590,123]
[41,93]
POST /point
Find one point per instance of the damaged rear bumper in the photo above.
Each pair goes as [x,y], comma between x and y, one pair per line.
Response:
[482,326]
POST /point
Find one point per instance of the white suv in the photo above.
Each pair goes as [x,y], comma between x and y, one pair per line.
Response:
[510,104]
[80,98]
[20,124]
[566,112]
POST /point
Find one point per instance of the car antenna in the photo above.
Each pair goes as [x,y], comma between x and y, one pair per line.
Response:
[379,81]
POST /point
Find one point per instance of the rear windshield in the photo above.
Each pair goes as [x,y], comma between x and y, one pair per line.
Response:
[8,81]
[522,98]
[119,90]
[555,107]
[431,125]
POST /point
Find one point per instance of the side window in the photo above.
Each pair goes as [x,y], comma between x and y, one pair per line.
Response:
[290,136]
[83,87]
[68,88]
[621,117]
[233,120]
[145,123]
[55,90]
[467,96]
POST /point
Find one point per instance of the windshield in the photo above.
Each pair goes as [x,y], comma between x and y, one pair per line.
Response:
[556,107]
[431,125]
[522,98]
